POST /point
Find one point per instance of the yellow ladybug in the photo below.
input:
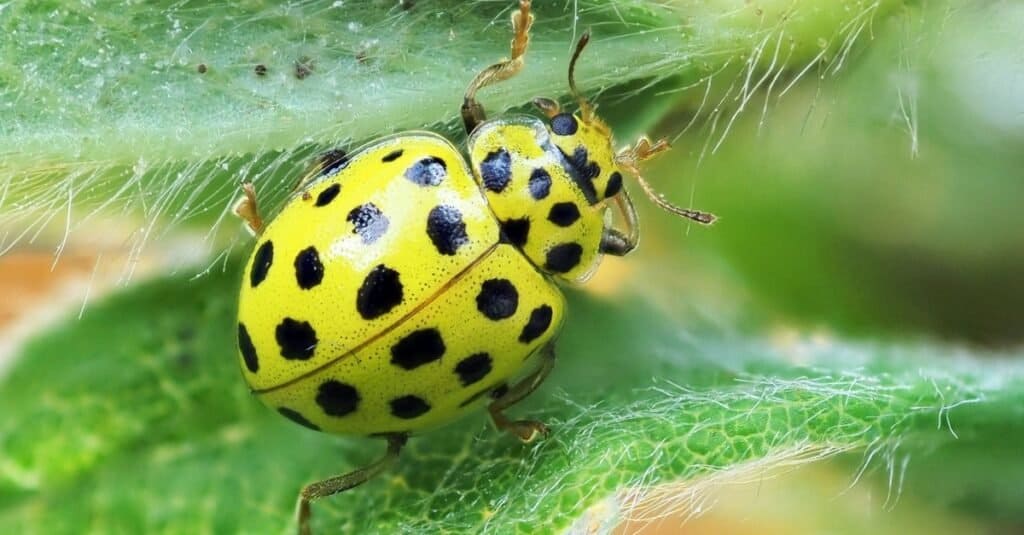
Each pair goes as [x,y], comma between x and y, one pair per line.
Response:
[401,287]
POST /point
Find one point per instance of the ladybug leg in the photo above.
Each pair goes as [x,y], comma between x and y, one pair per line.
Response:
[334,485]
[248,210]
[472,111]
[616,242]
[548,106]
[629,160]
[525,430]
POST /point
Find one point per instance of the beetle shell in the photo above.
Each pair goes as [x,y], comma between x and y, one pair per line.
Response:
[385,298]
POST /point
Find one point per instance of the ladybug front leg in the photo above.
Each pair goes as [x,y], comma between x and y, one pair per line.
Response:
[248,210]
[334,485]
[472,111]
[616,242]
[525,430]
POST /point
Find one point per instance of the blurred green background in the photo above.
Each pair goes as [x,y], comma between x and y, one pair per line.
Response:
[885,201]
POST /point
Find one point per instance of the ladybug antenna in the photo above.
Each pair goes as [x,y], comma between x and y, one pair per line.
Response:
[585,108]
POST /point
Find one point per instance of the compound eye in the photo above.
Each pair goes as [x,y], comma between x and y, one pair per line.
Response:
[564,124]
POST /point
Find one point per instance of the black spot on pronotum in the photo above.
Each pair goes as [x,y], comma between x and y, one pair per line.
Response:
[261,262]
[564,124]
[614,185]
[473,368]
[297,418]
[328,194]
[516,230]
[540,320]
[296,338]
[498,299]
[563,257]
[418,348]
[496,170]
[581,160]
[260,70]
[564,214]
[368,222]
[252,362]
[409,407]
[337,398]
[446,229]
[309,272]
[392,156]
[333,161]
[583,172]
[380,292]
[427,172]
[540,183]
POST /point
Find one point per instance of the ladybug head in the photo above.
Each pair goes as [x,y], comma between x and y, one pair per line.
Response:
[587,143]
[584,139]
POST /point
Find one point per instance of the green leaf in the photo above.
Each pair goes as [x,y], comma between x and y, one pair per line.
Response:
[135,419]
[103,108]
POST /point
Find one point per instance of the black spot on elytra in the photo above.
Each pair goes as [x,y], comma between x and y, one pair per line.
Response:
[473,368]
[516,230]
[368,222]
[296,338]
[564,124]
[583,172]
[309,272]
[498,299]
[540,183]
[540,320]
[614,185]
[496,170]
[392,156]
[446,229]
[563,257]
[328,194]
[409,407]
[421,347]
[564,214]
[333,161]
[261,263]
[252,362]
[380,292]
[337,398]
[297,418]
[427,172]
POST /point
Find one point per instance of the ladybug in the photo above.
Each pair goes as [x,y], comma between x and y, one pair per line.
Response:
[402,286]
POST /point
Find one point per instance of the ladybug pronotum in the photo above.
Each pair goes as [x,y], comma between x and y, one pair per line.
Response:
[402,286]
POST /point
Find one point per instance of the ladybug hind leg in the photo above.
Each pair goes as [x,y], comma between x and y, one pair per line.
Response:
[525,430]
[334,485]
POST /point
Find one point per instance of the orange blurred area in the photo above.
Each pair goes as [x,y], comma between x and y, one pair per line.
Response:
[31,278]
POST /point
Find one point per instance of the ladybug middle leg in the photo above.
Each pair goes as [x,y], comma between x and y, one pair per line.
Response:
[334,485]
[525,430]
